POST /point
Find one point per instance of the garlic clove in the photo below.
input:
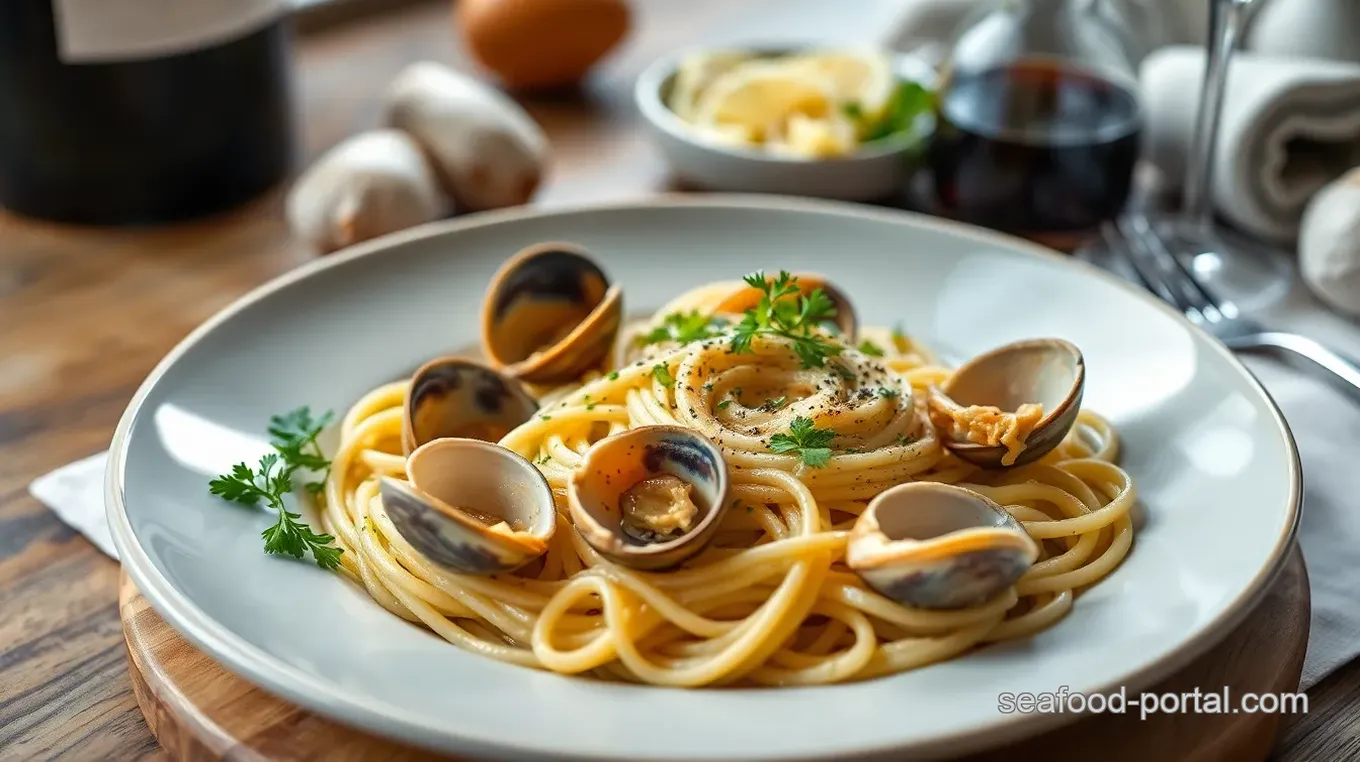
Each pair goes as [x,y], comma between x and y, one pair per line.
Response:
[488,152]
[1329,244]
[368,185]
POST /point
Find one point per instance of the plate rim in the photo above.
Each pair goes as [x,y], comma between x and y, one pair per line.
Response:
[273,675]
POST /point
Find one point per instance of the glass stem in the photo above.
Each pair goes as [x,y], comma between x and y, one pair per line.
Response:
[1226,18]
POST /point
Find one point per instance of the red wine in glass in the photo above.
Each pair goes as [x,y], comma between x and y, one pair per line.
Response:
[1035,147]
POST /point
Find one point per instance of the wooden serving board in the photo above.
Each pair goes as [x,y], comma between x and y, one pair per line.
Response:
[199,711]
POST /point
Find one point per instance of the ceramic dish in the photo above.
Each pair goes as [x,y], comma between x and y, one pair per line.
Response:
[876,171]
[1215,465]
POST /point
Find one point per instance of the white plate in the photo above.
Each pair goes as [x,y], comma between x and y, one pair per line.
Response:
[1215,465]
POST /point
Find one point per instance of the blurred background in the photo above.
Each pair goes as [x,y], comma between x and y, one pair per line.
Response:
[159,159]
[349,119]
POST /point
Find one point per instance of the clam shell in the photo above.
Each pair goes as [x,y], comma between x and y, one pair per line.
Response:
[937,546]
[595,489]
[1051,372]
[458,489]
[452,397]
[550,314]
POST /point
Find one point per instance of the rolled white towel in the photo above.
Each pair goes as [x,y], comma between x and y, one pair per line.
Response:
[1307,29]
[1290,126]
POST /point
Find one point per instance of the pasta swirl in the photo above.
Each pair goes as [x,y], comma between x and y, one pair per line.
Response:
[770,601]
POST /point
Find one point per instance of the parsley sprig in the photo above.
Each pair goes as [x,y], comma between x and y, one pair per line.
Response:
[683,327]
[293,436]
[808,442]
[784,311]
[908,101]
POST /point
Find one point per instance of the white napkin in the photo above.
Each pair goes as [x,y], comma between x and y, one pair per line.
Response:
[1326,427]
[1290,126]
[75,492]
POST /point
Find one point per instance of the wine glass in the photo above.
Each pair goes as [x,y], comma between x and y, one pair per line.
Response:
[1246,273]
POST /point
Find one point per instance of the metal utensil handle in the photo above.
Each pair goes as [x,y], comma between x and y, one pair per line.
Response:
[1342,371]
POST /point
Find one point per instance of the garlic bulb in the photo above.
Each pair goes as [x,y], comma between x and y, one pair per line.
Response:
[1329,244]
[369,185]
[488,152]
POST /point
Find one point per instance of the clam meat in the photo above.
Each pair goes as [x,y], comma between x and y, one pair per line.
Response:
[650,497]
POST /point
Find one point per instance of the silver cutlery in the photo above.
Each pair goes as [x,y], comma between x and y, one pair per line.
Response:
[1164,274]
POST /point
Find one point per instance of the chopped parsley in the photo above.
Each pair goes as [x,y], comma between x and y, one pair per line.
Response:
[613,375]
[723,405]
[683,327]
[808,442]
[771,405]
[663,374]
[888,394]
[870,348]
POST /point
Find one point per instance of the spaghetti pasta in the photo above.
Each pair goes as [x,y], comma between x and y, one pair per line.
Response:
[770,601]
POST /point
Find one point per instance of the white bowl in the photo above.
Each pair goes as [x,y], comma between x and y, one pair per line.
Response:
[872,173]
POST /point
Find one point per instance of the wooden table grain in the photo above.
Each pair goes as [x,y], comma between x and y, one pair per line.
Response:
[85,314]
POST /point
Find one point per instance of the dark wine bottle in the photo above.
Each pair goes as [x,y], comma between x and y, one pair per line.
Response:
[142,111]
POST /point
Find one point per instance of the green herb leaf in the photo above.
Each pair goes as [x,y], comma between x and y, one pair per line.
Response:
[783,311]
[293,436]
[808,442]
[613,375]
[870,348]
[683,328]
[292,537]
[663,374]
[723,405]
[852,111]
[888,394]
[772,405]
[909,100]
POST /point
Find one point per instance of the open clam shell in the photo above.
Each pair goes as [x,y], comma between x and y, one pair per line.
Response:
[845,322]
[1049,372]
[937,546]
[452,397]
[550,314]
[650,497]
[471,506]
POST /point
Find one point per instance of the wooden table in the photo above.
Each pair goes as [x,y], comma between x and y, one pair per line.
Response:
[86,313]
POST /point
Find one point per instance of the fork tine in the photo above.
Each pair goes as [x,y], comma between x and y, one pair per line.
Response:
[1117,247]
[1176,276]
[1143,260]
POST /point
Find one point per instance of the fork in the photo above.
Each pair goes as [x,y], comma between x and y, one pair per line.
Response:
[1163,273]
